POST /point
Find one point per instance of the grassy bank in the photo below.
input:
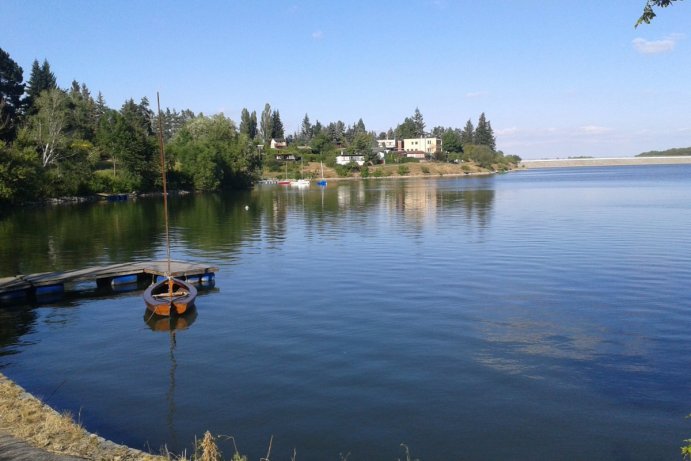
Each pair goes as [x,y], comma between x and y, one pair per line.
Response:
[312,170]
[28,419]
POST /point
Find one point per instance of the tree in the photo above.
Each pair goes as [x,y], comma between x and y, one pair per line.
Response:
[468,133]
[276,126]
[11,91]
[253,125]
[265,123]
[20,174]
[245,122]
[649,13]
[406,130]
[484,135]
[452,140]
[46,127]
[306,130]
[419,124]
[41,79]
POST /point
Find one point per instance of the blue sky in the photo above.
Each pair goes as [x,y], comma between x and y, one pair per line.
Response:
[555,78]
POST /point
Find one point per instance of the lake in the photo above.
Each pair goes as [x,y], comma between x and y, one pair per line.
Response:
[541,314]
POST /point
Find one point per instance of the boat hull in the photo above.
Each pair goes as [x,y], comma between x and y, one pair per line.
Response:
[158,297]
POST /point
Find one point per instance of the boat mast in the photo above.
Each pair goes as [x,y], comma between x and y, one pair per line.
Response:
[165,191]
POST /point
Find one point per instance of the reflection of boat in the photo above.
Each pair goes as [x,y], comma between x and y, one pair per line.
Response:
[174,323]
[170,296]
[300,183]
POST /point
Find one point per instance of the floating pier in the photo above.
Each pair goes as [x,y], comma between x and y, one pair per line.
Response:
[115,276]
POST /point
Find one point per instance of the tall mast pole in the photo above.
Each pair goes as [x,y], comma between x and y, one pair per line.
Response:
[165,190]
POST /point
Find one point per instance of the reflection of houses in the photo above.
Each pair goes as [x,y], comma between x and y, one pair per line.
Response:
[423,145]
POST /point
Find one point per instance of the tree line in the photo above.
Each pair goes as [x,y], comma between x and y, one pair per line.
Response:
[57,142]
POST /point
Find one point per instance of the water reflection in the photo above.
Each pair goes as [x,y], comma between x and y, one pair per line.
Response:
[15,322]
[171,325]
[209,225]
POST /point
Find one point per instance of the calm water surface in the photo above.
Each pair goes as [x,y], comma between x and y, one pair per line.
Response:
[534,315]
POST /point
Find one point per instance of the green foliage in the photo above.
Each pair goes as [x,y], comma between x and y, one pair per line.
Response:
[41,79]
[680,151]
[11,91]
[214,156]
[424,169]
[452,140]
[343,171]
[364,171]
[649,13]
[403,170]
[20,175]
[378,173]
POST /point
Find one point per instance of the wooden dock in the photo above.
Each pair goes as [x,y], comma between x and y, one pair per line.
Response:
[23,285]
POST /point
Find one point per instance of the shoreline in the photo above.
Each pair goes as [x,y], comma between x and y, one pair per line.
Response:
[31,429]
[613,161]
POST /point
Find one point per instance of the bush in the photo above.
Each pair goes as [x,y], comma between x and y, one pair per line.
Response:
[424,169]
[364,171]
[403,170]
[378,173]
[343,171]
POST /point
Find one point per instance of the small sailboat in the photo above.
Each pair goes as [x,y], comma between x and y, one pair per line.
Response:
[322,181]
[169,296]
[301,182]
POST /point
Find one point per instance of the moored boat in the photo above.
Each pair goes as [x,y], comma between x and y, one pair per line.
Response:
[170,296]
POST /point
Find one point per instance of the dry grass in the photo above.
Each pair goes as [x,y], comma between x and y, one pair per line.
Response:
[391,170]
[26,418]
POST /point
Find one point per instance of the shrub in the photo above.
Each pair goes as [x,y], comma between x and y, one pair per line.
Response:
[424,169]
[403,170]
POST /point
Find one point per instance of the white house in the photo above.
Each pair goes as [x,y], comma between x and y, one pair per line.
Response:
[426,145]
[388,144]
[345,159]
[278,143]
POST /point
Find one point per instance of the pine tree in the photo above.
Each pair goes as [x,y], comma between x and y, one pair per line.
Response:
[419,124]
[41,79]
[276,126]
[11,91]
[306,129]
[468,133]
[483,133]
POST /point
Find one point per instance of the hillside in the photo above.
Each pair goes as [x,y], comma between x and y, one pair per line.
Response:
[679,151]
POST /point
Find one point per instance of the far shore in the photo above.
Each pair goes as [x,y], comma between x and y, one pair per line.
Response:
[614,161]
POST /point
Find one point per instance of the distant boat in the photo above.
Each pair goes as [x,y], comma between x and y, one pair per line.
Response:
[300,183]
[170,296]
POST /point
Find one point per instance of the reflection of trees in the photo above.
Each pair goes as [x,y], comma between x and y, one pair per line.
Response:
[69,237]
[14,323]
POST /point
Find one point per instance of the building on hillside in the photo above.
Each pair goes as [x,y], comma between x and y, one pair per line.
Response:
[278,143]
[426,145]
[345,159]
[388,144]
